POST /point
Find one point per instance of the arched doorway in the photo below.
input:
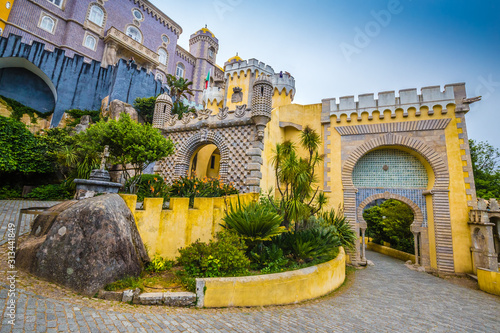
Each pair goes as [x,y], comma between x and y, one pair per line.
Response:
[432,198]
[205,162]
[24,82]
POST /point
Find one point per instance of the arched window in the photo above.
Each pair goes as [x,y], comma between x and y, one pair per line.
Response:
[134,33]
[179,71]
[96,15]
[47,23]
[211,52]
[163,56]
[58,3]
[90,42]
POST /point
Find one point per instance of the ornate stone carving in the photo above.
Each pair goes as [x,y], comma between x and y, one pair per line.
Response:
[204,114]
[223,112]
[237,95]
[240,110]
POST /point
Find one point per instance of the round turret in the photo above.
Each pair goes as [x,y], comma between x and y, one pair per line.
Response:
[163,109]
[262,103]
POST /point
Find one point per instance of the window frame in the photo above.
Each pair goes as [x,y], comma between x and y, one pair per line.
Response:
[183,67]
[138,30]
[166,56]
[160,74]
[103,18]
[85,37]
[43,16]
[135,17]
[58,6]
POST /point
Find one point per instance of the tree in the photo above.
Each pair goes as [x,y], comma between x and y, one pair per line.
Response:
[179,89]
[295,179]
[129,143]
[20,151]
[146,108]
[390,222]
[485,165]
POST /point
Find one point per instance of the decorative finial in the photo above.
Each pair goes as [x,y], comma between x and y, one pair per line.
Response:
[206,26]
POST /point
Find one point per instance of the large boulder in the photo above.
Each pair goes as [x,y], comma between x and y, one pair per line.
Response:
[117,107]
[91,243]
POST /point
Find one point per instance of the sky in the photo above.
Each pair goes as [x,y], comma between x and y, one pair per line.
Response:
[349,47]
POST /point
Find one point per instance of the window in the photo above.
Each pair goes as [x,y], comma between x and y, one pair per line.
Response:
[159,77]
[134,33]
[137,14]
[90,42]
[96,15]
[211,52]
[58,3]
[47,23]
[163,56]
[165,39]
[179,71]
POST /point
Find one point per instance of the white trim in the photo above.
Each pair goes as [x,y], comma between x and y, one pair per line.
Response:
[58,6]
[87,35]
[130,26]
[44,15]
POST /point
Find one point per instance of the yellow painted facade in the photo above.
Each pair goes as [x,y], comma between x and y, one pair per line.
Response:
[165,231]
[5,8]
[489,281]
[273,289]
[390,252]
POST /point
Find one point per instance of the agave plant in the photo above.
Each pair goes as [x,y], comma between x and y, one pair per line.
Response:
[255,223]
[339,222]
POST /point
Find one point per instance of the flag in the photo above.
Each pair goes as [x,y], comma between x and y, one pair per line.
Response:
[207,80]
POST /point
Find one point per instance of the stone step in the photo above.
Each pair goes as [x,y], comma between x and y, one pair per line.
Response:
[168,298]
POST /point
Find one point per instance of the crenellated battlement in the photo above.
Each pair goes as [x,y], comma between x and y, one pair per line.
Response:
[388,101]
[213,94]
[251,65]
[284,82]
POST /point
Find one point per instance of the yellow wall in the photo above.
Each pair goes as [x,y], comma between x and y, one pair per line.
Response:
[489,281]
[390,252]
[165,231]
[5,12]
[203,162]
[273,289]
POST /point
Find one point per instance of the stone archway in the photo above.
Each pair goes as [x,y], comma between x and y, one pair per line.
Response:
[439,192]
[187,149]
[418,227]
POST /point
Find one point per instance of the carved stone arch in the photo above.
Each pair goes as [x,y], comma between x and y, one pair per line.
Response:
[201,138]
[418,218]
[437,164]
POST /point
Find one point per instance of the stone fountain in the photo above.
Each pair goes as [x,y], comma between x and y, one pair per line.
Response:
[98,182]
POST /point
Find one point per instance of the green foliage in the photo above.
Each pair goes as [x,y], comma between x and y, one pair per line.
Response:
[295,178]
[255,223]
[50,192]
[191,187]
[340,224]
[145,107]
[223,257]
[158,264]
[126,283]
[485,165]
[270,259]
[20,150]
[129,143]
[18,110]
[179,89]
[148,186]
[179,108]
[390,222]
[77,115]
[310,244]
[7,192]
[187,281]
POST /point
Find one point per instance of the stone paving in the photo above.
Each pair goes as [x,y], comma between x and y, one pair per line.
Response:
[9,212]
[387,297]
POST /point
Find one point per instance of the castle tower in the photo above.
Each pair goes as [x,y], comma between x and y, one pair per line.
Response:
[204,46]
[262,103]
[284,89]
[163,109]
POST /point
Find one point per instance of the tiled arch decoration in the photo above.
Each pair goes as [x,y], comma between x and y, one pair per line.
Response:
[440,199]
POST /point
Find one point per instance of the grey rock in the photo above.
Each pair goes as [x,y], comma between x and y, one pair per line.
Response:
[179,299]
[128,295]
[117,107]
[151,298]
[110,295]
[101,245]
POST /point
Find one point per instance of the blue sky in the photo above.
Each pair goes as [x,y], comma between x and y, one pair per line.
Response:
[422,43]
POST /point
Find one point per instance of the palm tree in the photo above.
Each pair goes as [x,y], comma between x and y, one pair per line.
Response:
[179,87]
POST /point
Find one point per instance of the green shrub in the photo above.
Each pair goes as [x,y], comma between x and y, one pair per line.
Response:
[337,220]
[158,264]
[308,245]
[50,192]
[145,107]
[149,186]
[270,259]
[126,283]
[77,115]
[7,192]
[255,222]
[223,257]
[191,187]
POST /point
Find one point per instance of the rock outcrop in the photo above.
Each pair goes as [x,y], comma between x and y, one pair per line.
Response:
[91,243]
[117,107]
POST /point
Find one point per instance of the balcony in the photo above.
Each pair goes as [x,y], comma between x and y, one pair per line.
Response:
[115,39]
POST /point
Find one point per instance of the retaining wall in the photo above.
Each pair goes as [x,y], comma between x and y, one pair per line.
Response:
[489,281]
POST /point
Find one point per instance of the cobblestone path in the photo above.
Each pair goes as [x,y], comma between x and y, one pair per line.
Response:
[387,297]
[9,212]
